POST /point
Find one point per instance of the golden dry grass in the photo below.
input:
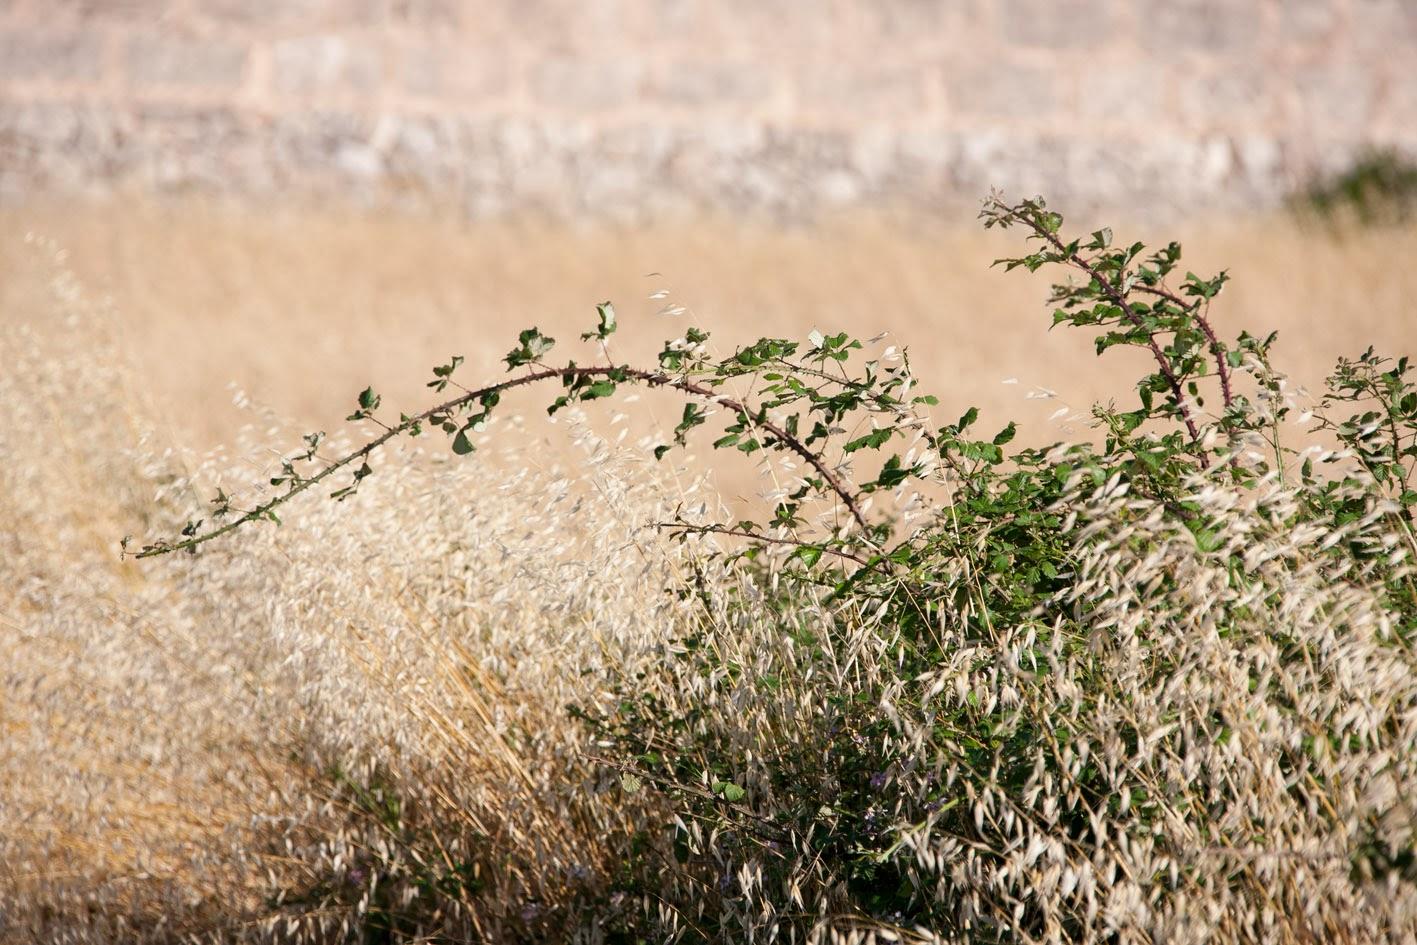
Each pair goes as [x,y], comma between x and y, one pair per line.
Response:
[113,776]
[303,308]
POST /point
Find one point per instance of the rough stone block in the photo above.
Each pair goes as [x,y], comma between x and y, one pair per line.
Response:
[1261,158]
[156,59]
[908,22]
[146,12]
[58,145]
[1307,20]
[1001,91]
[596,84]
[769,30]
[327,64]
[876,91]
[1399,102]
[1335,101]
[1217,26]
[59,56]
[1384,27]
[1112,95]
[1058,24]
[1234,95]
[560,26]
[427,14]
[267,13]
[711,82]
[456,74]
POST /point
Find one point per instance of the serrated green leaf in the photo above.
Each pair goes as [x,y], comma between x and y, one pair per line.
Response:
[597,390]
[729,791]
[874,440]
[810,554]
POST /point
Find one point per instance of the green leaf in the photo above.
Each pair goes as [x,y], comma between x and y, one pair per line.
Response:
[532,345]
[598,389]
[810,554]
[607,323]
[630,783]
[461,445]
[892,474]
[729,791]
[1207,540]
[874,440]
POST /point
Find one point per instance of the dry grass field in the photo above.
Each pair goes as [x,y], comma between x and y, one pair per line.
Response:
[157,774]
[303,308]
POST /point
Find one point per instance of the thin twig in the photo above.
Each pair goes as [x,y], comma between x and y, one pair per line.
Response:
[1216,348]
[650,378]
[771,540]
[1117,297]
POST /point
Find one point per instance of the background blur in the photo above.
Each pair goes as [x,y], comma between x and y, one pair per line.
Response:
[628,108]
[306,196]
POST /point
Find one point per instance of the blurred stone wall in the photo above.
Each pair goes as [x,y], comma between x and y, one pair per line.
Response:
[632,107]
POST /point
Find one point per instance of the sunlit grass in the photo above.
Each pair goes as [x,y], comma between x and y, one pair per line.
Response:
[216,745]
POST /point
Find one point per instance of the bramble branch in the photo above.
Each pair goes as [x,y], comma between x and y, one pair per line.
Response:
[1120,300]
[266,510]
[1194,310]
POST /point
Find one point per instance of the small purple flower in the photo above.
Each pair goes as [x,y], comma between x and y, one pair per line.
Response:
[356,876]
[878,780]
[530,912]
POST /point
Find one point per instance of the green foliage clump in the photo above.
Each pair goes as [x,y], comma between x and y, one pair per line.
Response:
[1380,187]
[1159,685]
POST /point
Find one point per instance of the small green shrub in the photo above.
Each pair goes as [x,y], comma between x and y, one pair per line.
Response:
[1380,187]
[1156,686]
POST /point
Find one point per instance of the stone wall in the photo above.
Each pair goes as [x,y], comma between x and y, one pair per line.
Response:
[628,107]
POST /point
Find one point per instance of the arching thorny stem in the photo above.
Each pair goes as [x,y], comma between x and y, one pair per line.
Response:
[570,372]
[1120,300]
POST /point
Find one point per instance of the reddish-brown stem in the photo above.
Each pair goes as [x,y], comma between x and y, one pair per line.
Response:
[769,539]
[660,379]
[651,378]
[1222,369]
[1118,298]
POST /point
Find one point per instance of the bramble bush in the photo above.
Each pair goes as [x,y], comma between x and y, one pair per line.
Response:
[1156,686]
